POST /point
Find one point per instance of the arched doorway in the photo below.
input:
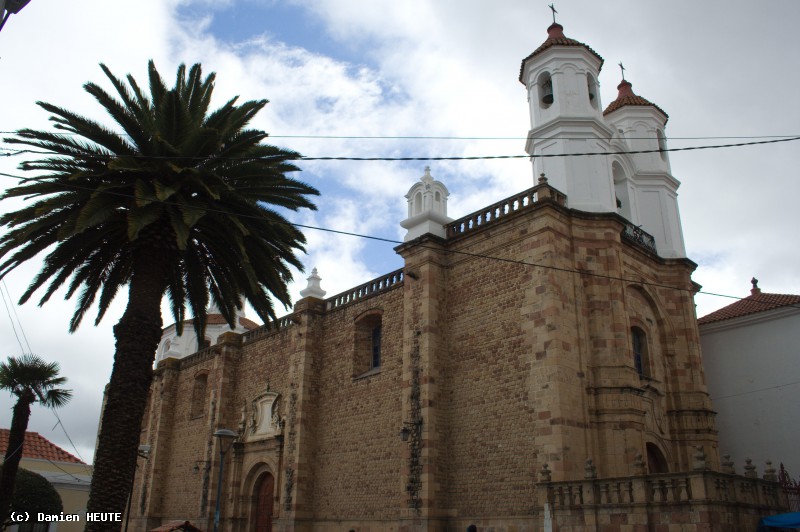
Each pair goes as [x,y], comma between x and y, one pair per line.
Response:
[263,502]
[656,462]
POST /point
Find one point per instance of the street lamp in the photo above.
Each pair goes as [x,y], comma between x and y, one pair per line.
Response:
[221,435]
[9,7]
[142,452]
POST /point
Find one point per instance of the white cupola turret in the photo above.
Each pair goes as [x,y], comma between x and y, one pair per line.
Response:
[427,208]
[566,118]
[646,192]
[174,345]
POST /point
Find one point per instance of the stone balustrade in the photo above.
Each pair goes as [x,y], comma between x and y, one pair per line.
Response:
[368,289]
[694,497]
[665,488]
[503,208]
[270,328]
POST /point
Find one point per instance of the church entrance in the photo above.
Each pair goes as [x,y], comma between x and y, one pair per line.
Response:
[263,500]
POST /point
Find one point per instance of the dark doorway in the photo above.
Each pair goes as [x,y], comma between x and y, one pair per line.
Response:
[656,463]
[263,499]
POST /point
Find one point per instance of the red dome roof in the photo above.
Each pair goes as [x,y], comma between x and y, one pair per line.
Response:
[627,97]
[556,37]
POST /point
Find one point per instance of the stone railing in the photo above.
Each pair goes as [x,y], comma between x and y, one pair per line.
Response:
[639,237]
[690,496]
[511,205]
[199,356]
[368,289]
[270,328]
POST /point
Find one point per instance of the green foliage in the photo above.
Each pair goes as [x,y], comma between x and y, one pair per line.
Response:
[192,185]
[34,493]
[29,374]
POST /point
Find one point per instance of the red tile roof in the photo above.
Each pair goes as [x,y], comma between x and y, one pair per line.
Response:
[756,302]
[38,447]
[556,37]
[627,97]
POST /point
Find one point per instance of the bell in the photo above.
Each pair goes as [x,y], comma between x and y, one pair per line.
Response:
[547,90]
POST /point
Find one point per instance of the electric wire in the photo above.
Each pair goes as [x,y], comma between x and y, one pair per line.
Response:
[458,137]
[14,309]
[11,320]
[7,294]
[63,428]
[755,391]
[299,157]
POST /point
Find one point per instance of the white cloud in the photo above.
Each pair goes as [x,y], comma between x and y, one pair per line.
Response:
[441,68]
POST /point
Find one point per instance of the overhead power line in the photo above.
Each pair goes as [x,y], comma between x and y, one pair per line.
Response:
[467,137]
[428,158]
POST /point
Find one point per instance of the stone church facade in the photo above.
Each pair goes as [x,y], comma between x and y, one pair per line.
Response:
[534,365]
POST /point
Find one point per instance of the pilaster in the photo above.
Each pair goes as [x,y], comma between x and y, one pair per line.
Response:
[149,481]
[423,346]
[297,486]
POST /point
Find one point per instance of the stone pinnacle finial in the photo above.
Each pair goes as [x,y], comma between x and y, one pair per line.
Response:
[313,289]
[755,290]
[427,177]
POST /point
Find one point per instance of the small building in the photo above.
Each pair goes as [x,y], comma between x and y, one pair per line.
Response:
[69,475]
[751,350]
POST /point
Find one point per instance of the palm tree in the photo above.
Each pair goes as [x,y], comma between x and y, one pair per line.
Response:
[30,379]
[179,204]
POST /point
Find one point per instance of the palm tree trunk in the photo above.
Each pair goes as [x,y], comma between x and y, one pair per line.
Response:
[138,334]
[16,438]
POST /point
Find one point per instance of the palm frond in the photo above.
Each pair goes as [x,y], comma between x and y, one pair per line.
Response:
[186,182]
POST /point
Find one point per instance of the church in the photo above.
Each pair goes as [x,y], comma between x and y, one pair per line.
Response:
[533,366]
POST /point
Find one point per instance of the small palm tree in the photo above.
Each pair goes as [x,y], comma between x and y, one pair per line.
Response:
[31,380]
[180,204]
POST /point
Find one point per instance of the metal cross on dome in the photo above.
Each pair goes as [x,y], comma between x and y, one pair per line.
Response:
[553,9]
[623,70]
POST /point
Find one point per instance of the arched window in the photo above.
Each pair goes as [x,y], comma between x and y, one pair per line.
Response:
[591,84]
[662,144]
[368,343]
[641,360]
[199,393]
[621,191]
[546,97]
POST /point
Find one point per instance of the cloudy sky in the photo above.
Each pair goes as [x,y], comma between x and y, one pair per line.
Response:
[725,71]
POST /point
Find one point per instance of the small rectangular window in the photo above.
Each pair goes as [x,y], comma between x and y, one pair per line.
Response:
[368,337]
[376,347]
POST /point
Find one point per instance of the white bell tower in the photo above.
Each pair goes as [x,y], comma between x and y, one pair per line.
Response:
[566,118]
[646,192]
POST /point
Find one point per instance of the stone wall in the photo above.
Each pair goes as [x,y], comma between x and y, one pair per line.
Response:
[505,346]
